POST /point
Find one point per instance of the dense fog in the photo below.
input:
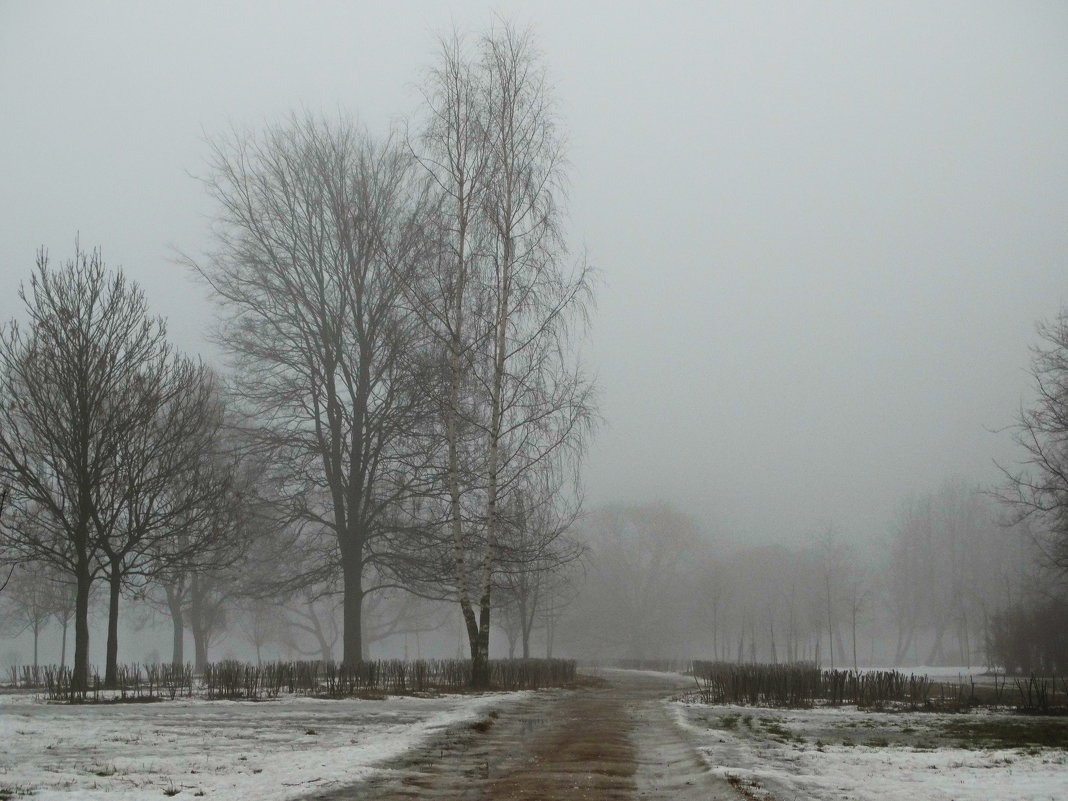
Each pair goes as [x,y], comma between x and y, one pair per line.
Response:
[787,270]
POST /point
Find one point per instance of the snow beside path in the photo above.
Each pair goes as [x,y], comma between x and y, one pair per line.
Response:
[780,754]
[222,750]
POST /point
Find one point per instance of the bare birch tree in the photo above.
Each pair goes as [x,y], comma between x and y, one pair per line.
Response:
[506,298]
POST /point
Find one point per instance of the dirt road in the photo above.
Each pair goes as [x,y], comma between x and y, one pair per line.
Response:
[610,740]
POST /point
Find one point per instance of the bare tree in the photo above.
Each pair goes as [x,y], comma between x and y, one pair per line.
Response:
[6,561]
[834,556]
[538,545]
[315,613]
[317,229]
[950,566]
[392,612]
[1038,489]
[501,305]
[233,524]
[65,599]
[262,624]
[160,516]
[75,387]
[30,601]
[639,580]
[858,598]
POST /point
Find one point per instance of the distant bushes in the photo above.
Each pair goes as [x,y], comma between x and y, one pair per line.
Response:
[235,680]
[802,685]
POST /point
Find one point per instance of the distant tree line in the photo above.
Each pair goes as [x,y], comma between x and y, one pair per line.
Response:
[964,575]
[928,592]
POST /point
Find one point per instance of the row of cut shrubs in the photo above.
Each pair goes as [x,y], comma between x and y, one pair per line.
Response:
[149,682]
[231,679]
[801,684]
[804,684]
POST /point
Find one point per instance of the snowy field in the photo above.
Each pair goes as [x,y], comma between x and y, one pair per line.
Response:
[216,749]
[827,753]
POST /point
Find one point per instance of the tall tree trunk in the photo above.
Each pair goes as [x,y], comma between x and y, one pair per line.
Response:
[964,640]
[198,626]
[480,669]
[452,434]
[480,675]
[771,634]
[830,624]
[937,655]
[63,644]
[526,620]
[174,604]
[80,677]
[36,638]
[200,649]
[111,671]
[549,627]
[715,631]
[326,649]
[904,642]
[840,643]
[352,638]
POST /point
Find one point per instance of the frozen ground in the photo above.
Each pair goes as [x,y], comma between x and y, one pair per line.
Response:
[217,749]
[827,753]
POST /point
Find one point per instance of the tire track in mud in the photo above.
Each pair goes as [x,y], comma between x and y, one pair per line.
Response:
[612,740]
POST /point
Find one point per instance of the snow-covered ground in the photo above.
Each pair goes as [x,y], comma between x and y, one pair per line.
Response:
[222,750]
[843,753]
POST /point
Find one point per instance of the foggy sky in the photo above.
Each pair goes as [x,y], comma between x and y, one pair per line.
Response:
[824,231]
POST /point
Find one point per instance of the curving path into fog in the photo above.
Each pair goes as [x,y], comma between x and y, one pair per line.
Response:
[611,739]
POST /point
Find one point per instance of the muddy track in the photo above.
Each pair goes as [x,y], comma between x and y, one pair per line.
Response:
[610,740]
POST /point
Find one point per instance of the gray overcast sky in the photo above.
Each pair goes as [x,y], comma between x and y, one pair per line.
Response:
[825,230]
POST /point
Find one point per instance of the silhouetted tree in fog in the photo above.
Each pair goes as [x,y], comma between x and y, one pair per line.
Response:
[1038,490]
[78,384]
[30,601]
[538,544]
[639,581]
[211,543]
[950,566]
[318,228]
[168,484]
